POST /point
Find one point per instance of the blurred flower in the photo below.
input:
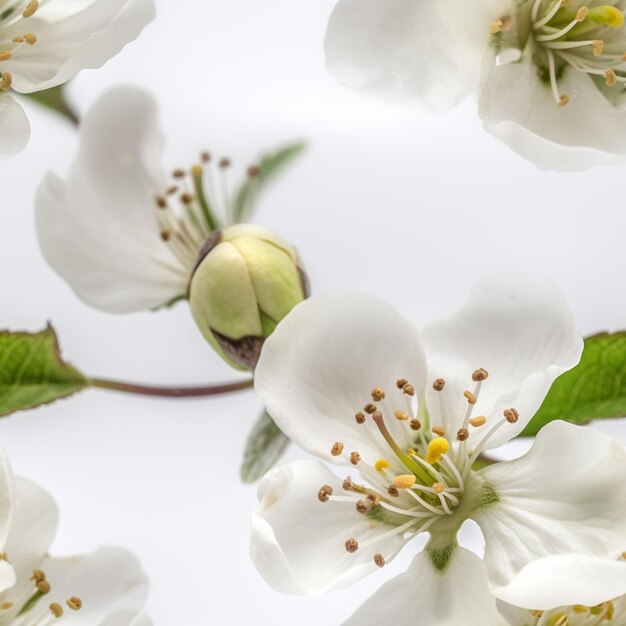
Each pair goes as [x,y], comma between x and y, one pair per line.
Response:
[549,75]
[105,588]
[46,43]
[344,376]
[127,239]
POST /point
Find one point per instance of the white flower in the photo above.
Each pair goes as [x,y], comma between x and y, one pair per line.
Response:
[105,588]
[413,444]
[44,43]
[549,75]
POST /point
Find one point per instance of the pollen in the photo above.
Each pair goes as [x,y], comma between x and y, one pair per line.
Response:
[6,81]
[324,493]
[74,603]
[379,559]
[408,389]
[56,609]
[378,394]
[439,384]
[511,415]
[359,417]
[436,449]
[563,101]
[598,47]
[31,8]
[462,434]
[337,448]
[470,397]
[415,424]
[401,415]
[439,488]
[479,375]
[438,430]
[381,464]
[611,77]
[30,39]
[370,408]
[5,55]
[401,382]
[581,14]
[355,457]
[352,545]
[404,481]
[478,421]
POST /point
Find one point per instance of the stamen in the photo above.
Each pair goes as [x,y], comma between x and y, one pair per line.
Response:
[378,394]
[415,424]
[401,382]
[436,449]
[511,415]
[438,430]
[352,545]
[478,421]
[370,408]
[408,389]
[5,55]
[401,415]
[31,8]
[462,434]
[598,47]
[56,609]
[404,481]
[611,77]
[74,603]
[479,375]
[470,397]
[337,448]
[6,81]
[359,417]
[439,384]
[324,493]
[379,559]
[355,457]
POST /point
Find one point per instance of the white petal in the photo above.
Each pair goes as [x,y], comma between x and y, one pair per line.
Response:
[520,110]
[73,35]
[523,334]
[14,127]
[127,618]
[32,529]
[567,496]
[425,52]
[110,583]
[7,499]
[298,542]
[99,228]
[322,362]
[422,595]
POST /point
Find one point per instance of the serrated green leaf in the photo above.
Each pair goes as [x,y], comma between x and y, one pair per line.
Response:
[265,445]
[270,165]
[32,371]
[594,389]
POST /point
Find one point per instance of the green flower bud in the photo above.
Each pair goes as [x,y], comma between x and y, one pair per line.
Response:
[246,280]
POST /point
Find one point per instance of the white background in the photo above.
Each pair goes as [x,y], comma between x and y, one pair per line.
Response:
[386,200]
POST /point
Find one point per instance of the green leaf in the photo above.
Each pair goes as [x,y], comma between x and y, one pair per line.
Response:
[265,445]
[32,371]
[595,388]
[269,166]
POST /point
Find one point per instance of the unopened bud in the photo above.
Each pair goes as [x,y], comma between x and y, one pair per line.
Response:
[246,280]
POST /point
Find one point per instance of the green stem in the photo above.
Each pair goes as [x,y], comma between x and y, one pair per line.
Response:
[54,100]
[170,392]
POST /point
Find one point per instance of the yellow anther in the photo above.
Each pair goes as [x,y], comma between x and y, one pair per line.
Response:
[31,8]
[438,430]
[496,27]
[5,55]
[410,452]
[74,603]
[611,77]
[5,606]
[478,421]
[598,47]
[404,481]
[381,464]
[6,81]
[30,39]
[581,14]
[470,397]
[439,488]
[56,609]
[337,448]
[378,394]
[436,449]
[18,39]
[401,415]
[563,101]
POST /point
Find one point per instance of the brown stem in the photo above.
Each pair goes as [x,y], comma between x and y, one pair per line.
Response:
[170,392]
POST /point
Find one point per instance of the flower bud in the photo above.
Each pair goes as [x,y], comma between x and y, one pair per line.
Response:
[246,280]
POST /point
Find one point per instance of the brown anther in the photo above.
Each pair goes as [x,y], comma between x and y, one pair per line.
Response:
[362,507]
[43,586]
[370,408]
[611,77]
[415,424]
[480,374]
[408,389]
[598,47]
[439,488]
[205,157]
[4,556]
[511,415]
[347,484]
[478,421]
[355,457]
[462,434]
[379,559]
[18,39]
[6,606]
[38,575]
[393,491]
[439,384]
[324,493]
[74,603]
[171,190]
[161,202]
[439,430]
[56,609]
[337,448]
[179,174]
[563,101]
[30,39]
[253,171]
[30,9]
[224,163]
[359,417]
[403,381]
[581,14]
[165,235]
[6,81]
[186,198]
[5,55]
[373,499]
[401,415]
[470,397]
[378,394]
[352,545]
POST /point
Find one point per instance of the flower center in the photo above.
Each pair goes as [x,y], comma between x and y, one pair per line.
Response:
[577,615]
[421,481]
[10,17]
[189,210]
[22,605]
[567,34]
